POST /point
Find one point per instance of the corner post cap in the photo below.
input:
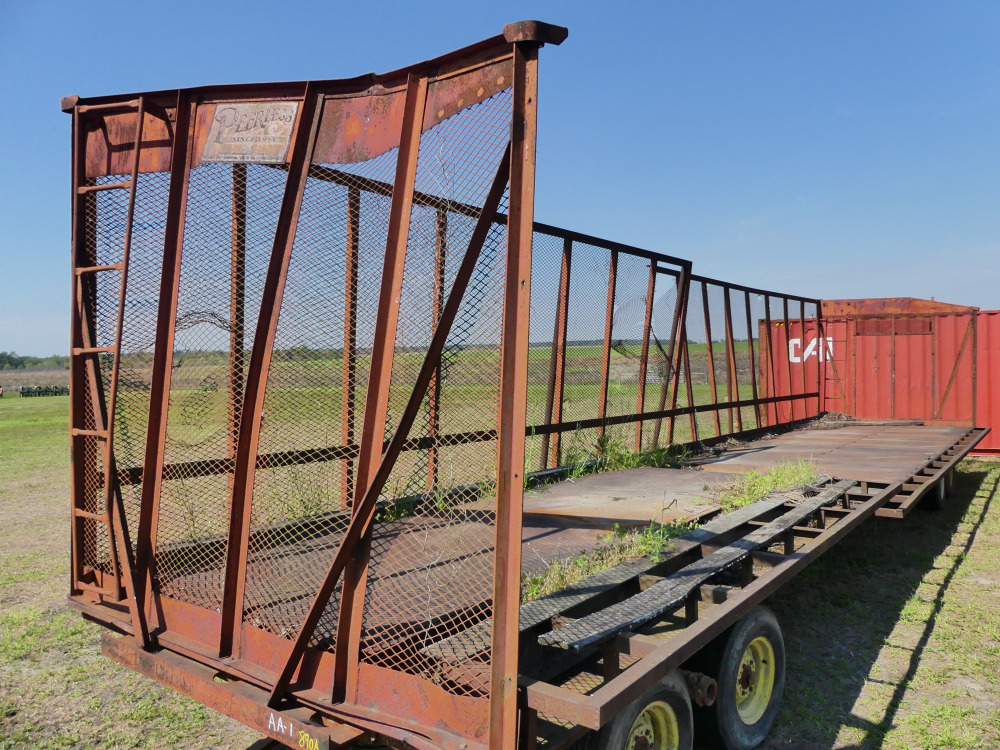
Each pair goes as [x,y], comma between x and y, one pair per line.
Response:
[535,31]
[67,103]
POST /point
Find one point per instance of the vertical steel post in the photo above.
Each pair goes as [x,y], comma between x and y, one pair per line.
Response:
[802,359]
[434,389]
[163,351]
[788,357]
[348,644]
[237,550]
[753,364]
[647,325]
[684,279]
[711,357]
[670,377]
[772,390]
[79,258]
[349,355]
[557,368]
[821,358]
[692,416]
[237,306]
[733,381]
[513,402]
[112,489]
[602,404]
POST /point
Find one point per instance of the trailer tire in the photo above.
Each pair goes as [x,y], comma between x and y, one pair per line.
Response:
[749,665]
[660,719]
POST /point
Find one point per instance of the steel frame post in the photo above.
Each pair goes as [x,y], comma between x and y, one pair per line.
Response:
[434,390]
[350,352]
[513,402]
[683,283]
[78,442]
[821,358]
[692,416]
[753,362]
[557,367]
[237,303]
[644,354]
[772,409]
[711,357]
[788,356]
[681,344]
[802,359]
[237,550]
[348,644]
[163,351]
[602,404]
[114,508]
[733,381]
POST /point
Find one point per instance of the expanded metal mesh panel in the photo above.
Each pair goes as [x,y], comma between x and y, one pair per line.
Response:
[659,367]
[588,284]
[314,398]
[627,334]
[138,337]
[221,277]
[431,561]
[546,263]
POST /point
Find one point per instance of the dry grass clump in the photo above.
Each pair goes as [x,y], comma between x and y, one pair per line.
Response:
[619,546]
[755,484]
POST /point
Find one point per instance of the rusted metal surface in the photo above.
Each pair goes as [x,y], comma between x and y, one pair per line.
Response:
[891,366]
[987,377]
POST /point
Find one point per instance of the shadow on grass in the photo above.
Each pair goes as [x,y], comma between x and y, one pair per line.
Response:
[838,615]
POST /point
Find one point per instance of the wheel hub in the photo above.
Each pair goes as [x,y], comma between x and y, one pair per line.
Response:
[656,728]
[755,680]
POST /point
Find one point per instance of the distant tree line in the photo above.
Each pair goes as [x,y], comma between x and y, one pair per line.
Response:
[12,361]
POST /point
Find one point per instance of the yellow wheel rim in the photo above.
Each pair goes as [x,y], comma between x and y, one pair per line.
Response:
[656,728]
[755,680]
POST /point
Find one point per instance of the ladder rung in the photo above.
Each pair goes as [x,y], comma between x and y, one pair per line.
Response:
[95,589]
[95,269]
[80,513]
[77,351]
[89,433]
[106,186]
[110,107]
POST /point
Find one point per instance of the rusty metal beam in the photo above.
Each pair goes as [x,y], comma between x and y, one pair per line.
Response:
[513,402]
[434,390]
[244,472]
[753,363]
[557,366]
[647,329]
[163,350]
[350,353]
[348,644]
[711,356]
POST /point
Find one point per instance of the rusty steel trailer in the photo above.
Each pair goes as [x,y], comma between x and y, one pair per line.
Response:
[319,348]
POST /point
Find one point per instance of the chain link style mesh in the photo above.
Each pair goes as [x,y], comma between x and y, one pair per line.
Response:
[432,547]
[314,398]
[221,278]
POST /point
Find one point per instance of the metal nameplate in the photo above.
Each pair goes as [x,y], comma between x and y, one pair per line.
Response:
[250,132]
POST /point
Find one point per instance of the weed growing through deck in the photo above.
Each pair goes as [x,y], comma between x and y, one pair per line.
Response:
[619,546]
[613,452]
[755,484]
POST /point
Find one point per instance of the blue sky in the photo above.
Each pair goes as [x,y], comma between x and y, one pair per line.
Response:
[833,149]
